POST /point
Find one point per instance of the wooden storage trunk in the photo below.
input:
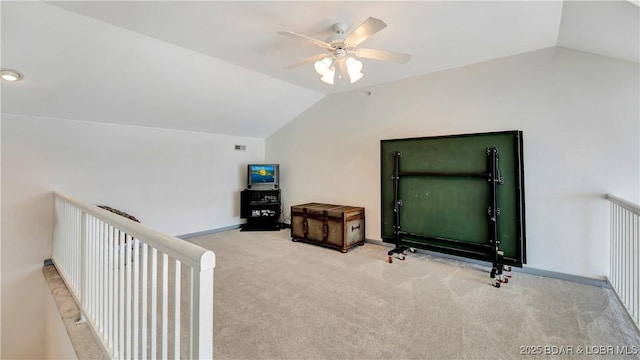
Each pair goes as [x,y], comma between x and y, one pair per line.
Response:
[336,226]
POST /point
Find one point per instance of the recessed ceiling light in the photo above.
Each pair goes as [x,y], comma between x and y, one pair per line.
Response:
[10,75]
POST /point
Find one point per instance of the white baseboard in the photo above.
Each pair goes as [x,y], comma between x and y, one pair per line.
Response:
[208,232]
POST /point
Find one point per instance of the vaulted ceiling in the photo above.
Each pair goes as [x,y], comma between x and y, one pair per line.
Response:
[218,66]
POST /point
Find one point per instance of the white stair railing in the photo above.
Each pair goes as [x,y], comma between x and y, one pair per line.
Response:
[624,272]
[145,294]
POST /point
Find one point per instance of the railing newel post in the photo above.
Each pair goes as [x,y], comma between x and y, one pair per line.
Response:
[205,340]
[202,309]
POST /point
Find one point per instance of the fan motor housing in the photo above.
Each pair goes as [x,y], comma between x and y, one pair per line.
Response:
[338,37]
[340,52]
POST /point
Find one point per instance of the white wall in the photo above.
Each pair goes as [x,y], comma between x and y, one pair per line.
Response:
[579,114]
[57,343]
[174,181]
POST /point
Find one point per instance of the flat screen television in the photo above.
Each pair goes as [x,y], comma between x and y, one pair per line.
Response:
[263,176]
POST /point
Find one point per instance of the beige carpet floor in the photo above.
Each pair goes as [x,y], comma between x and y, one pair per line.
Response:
[276,299]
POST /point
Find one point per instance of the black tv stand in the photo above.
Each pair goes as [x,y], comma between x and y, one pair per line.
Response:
[261,208]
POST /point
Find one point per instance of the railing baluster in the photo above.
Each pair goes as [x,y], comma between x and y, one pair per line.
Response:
[116,295]
[87,269]
[619,245]
[111,293]
[635,269]
[96,271]
[128,290]
[165,305]
[105,250]
[631,265]
[101,284]
[612,251]
[94,268]
[136,295]
[618,251]
[59,243]
[74,249]
[121,288]
[154,303]
[71,229]
[143,330]
[628,257]
[625,252]
[637,272]
[83,257]
[91,265]
[176,310]
[62,219]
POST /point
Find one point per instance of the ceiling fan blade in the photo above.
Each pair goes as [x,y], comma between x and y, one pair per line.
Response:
[383,55]
[322,44]
[308,60]
[364,31]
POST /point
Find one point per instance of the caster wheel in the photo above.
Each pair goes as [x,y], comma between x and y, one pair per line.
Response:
[401,256]
[413,250]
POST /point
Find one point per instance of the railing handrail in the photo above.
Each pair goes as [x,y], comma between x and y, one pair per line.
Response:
[190,254]
[634,208]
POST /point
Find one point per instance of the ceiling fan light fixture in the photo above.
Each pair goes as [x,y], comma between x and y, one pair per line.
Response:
[355,76]
[322,66]
[325,67]
[354,69]
[354,65]
[328,77]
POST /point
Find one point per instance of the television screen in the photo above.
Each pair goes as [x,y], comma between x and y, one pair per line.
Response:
[262,174]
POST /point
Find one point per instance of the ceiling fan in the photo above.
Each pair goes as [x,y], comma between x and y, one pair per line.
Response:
[338,62]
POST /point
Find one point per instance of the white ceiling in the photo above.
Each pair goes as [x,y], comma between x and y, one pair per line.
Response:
[217,66]
[438,35]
